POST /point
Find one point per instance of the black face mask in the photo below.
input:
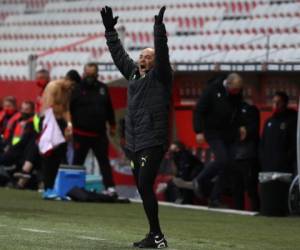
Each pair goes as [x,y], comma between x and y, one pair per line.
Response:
[91,81]
[25,116]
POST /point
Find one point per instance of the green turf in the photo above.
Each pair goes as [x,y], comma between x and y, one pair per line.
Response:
[116,226]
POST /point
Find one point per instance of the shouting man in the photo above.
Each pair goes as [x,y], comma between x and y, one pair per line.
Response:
[146,123]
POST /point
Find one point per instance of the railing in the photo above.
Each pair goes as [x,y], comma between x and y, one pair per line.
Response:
[239,67]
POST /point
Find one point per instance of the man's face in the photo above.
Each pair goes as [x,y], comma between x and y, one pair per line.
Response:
[278,104]
[234,86]
[42,79]
[26,109]
[90,71]
[8,107]
[146,61]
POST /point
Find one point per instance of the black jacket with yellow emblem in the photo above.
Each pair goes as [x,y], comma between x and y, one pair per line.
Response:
[149,97]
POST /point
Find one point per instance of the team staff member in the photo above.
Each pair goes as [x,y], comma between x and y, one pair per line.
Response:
[278,142]
[57,96]
[216,119]
[146,122]
[91,110]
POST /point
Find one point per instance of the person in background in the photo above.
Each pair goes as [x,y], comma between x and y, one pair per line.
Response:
[245,166]
[56,96]
[187,167]
[216,121]
[278,140]
[9,109]
[92,111]
[21,135]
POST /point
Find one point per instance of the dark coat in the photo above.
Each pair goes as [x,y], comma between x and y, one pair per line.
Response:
[91,108]
[278,142]
[216,113]
[149,97]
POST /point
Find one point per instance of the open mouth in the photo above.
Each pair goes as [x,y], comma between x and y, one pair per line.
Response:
[143,67]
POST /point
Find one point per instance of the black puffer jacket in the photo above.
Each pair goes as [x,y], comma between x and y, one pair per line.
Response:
[149,97]
[278,142]
[217,113]
[91,108]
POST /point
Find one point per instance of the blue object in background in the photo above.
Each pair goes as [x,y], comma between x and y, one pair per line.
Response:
[67,178]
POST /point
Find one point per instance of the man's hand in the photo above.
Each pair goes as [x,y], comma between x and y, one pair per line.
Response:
[109,21]
[200,138]
[159,18]
[243,133]
[69,132]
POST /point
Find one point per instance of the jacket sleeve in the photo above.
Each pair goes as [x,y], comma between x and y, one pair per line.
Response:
[252,124]
[121,59]
[110,111]
[201,110]
[162,61]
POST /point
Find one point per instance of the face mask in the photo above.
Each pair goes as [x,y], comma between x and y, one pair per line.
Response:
[9,111]
[234,91]
[276,110]
[41,83]
[91,81]
[25,116]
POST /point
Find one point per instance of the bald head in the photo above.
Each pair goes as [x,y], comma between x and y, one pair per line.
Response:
[146,60]
[234,83]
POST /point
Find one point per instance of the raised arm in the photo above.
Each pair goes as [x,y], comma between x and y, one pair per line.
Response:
[121,59]
[162,60]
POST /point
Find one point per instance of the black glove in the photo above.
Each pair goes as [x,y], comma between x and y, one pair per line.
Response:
[159,18]
[108,20]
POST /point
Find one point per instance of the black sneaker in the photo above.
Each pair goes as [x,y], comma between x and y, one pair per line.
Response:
[152,241]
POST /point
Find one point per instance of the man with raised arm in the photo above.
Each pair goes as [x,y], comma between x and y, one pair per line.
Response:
[147,119]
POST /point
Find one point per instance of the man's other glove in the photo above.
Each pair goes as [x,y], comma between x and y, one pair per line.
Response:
[108,20]
[159,18]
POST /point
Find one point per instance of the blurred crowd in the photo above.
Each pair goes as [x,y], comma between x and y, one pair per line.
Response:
[83,111]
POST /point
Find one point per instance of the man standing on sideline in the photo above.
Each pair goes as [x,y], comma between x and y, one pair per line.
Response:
[278,142]
[56,96]
[216,121]
[91,110]
[147,119]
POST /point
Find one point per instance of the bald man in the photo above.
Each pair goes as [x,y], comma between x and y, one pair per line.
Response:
[147,119]
[216,120]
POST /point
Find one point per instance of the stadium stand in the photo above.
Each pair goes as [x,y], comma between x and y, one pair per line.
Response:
[65,34]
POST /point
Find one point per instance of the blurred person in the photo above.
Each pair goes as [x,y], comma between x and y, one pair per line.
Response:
[278,140]
[9,104]
[216,121]
[91,110]
[245,166]
[56,97]
[42,78]
[187,167]
[147,118]
[22,134]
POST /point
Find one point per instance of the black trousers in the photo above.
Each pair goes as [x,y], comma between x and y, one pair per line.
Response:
[99,145]
[145,165]
[50,164]
[245,179]
[218,168]
[52,160]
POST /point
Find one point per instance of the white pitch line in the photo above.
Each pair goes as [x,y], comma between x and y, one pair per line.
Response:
[34,230]
[89,238]
[203,208]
